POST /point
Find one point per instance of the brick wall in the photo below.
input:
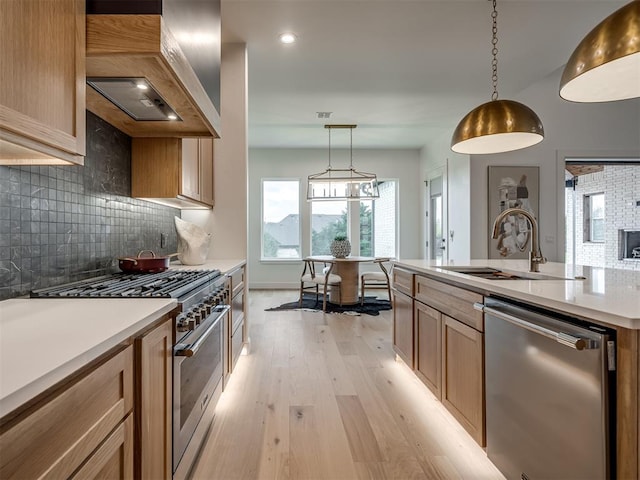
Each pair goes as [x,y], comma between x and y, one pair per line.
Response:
[621,186]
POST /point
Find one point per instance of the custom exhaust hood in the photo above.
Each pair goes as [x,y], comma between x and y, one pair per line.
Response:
[135,97]
[142,82]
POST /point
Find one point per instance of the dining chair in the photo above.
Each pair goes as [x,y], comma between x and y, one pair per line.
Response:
[325,279]
[376,280]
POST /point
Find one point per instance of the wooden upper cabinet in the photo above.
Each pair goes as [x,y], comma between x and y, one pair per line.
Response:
[42,92]
[173,171]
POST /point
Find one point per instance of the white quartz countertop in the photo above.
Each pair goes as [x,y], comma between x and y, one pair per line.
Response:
[604,295]
[225,266]
[42,341]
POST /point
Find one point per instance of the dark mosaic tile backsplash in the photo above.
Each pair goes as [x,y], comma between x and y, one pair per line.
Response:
[62,224]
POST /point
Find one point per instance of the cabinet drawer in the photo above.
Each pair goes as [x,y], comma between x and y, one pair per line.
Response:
[237,281]
[402,280]
[453,301]
[114,458]
[237,311]
[54,438]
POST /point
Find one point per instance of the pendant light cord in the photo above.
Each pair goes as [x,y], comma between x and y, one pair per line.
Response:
[329,149]
[351,149]
[494,52]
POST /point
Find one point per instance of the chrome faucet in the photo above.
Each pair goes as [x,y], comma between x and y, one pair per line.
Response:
[535,254]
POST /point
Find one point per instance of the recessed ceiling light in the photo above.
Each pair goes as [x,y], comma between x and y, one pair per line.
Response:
[287,38]
[171,116]
[142,86]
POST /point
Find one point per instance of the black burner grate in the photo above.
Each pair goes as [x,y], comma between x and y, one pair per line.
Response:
[167,284]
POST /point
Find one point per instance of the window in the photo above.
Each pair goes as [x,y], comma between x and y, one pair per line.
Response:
[369,224]
[280,219]
[328,219]
[594,218]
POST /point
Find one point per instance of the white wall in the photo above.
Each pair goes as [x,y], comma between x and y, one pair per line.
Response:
[437,155]
[402,165]
[227,222]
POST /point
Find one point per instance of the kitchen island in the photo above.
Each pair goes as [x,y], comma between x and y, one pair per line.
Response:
[440,335]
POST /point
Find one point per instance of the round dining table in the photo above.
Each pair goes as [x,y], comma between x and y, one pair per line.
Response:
[348,269]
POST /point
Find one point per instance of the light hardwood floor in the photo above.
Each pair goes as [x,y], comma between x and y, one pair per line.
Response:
[321,396]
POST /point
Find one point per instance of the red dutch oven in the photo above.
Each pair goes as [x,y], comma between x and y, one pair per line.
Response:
[143,263]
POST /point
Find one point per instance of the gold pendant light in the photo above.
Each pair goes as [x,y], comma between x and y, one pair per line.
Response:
[499,125]
[605,66]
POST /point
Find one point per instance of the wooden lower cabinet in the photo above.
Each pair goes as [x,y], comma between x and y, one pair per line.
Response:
[403,337]
[57,436]
[463,376]
[428,345]
[112,419]
[154,361]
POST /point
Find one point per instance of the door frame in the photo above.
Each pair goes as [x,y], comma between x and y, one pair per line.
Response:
[430,175]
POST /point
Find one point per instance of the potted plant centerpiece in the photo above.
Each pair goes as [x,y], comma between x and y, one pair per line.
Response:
[340,247]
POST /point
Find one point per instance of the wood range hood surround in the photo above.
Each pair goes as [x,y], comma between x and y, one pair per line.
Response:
[124,46]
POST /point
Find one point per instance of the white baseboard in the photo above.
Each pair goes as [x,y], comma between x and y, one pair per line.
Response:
[274,286]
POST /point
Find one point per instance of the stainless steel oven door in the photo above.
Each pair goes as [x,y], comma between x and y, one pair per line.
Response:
[197,370]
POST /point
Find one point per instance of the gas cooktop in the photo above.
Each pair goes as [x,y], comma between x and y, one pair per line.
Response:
[167,284]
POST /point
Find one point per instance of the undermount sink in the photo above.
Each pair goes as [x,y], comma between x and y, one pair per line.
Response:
[495,274]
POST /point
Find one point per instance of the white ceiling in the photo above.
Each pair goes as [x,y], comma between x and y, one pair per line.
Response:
[401,70]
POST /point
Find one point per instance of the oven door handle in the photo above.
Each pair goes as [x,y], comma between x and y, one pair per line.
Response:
[191,350]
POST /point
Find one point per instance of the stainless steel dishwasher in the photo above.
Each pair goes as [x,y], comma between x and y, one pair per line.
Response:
[550,394]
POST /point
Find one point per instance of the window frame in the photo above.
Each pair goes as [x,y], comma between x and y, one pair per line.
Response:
[588,218]
[353,221]
[299,258]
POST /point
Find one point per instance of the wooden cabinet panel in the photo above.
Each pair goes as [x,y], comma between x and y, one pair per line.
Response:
[403,326]
[55,438]
[190,168]
[402,280]
[463,376]
[428,328]
[236,346]
[453,301]
[154,402]
[114,458]
[42,92]
[206,170]
[238,333]
[155,167]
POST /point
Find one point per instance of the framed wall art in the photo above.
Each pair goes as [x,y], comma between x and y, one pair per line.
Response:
[512,187]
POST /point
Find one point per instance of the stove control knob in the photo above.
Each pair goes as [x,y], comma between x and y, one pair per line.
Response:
[190,322]
[208,307]
[182,323]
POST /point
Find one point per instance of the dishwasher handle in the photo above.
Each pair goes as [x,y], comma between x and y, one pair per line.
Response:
[577,343]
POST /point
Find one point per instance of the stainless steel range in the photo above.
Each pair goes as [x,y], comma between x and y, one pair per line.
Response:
[198,347]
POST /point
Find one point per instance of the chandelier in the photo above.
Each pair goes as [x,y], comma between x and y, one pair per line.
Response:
[342,183]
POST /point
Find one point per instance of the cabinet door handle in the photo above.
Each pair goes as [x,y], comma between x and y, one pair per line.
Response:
[563,338]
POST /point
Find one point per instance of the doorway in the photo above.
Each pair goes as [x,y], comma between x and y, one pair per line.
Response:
[436,218]
[602,219]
